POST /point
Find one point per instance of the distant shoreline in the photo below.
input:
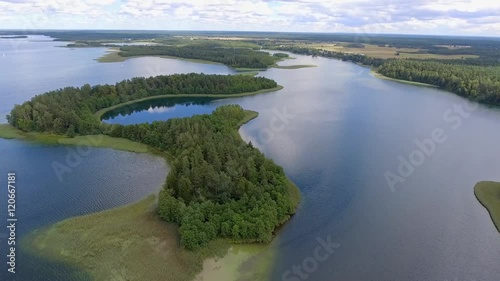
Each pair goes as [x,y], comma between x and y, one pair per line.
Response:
[109,226]
[381,76]
[113,56]
[14,37]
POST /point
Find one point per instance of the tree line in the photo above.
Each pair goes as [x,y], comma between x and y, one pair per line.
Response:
[356,58]
[218,186]
[477,79]
[479,83]
[233,57]
[71,110]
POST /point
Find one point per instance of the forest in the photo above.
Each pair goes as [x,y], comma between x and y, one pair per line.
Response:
[71,110]
[233,57]
[477,79]
[356,58]
[218,186]
[480,83]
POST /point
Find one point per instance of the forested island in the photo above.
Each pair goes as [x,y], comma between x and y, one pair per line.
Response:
[219,186]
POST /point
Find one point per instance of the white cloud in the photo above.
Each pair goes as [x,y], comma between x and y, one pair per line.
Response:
[364,16]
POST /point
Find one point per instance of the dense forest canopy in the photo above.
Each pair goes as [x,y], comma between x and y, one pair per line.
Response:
[233,57]
[480,83]
[218,186]
[72,110]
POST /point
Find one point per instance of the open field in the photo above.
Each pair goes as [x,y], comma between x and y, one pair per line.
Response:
[111,56]
[382,52]
[488,193]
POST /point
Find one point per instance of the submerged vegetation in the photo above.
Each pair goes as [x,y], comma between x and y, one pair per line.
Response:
[107,245]
[488,193]
[14,37]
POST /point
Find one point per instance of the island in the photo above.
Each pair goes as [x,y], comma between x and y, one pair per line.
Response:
[242,57]
[220,190]
[488,194]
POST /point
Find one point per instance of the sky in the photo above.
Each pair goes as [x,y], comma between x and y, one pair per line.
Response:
[436,17]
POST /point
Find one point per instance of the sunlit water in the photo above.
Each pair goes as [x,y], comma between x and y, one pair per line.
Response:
[336,130]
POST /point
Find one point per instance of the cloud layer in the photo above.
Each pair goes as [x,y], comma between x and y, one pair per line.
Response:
[459,17]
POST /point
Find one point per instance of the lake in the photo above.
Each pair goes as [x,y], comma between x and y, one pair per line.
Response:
[340,134]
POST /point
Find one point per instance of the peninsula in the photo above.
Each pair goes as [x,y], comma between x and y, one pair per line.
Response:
[220,190]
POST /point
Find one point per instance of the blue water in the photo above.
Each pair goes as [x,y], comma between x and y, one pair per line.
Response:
[160,109]
[337,131]
[38,64]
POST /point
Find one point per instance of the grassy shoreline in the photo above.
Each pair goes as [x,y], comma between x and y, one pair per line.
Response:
[381,76]
[113,56]
[101,112]
[106,244]
[488,194]
[125,243]
[104,141]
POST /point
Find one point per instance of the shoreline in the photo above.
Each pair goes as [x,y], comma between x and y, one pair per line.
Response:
[103,111]
[485,192]
[113,56]
[381,76]
[210,263]
[103,141]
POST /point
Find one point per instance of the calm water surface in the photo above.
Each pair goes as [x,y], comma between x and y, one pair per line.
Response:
[336,130]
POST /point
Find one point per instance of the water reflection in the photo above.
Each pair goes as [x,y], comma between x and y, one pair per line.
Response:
[163,108]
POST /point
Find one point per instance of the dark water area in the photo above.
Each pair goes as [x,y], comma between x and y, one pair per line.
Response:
[342,135]
[164,109]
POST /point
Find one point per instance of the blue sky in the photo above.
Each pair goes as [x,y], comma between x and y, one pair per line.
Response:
[450,17]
